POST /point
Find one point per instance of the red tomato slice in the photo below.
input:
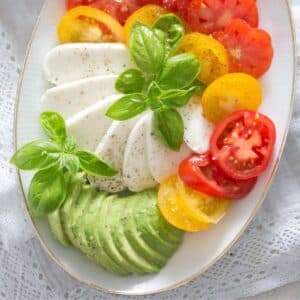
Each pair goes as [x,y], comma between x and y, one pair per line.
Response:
[242,144]
[119,9]
[250,49]
[200,173]
[208,16]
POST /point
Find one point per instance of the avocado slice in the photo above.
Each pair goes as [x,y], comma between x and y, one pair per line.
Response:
[76,211]
[106,240]
[133,235]
[91,221]
[148,220]
[57,229]
[119,206]
[73,189]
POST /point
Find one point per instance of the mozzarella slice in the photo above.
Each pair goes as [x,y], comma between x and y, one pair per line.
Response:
[111,149]
[75,61]
[137,175]
[90,125]
[163,162]
[197,130]
[70,98]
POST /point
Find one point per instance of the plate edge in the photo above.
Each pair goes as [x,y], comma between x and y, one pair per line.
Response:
[228,247]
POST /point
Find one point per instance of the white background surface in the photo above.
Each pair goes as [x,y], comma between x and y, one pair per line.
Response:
[266,257]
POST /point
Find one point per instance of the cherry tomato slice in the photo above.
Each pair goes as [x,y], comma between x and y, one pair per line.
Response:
[200,173]
[119,9]
[200,206]
[172,212]
[208,16]
[242,144]
[250,49]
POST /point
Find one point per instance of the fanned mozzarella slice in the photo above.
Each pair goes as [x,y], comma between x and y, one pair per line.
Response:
[197,129]
[70,98]
[137,175]
[163,162]
[111,149]
[90,125]
[75,61]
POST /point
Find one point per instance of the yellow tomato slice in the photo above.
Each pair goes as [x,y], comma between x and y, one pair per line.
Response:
[168,205]
[146,15]
[211,53]
[87,24]
[229,93]
[202,207]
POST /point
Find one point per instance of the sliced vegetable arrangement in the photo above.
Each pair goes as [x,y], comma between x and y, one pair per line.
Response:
[162,99]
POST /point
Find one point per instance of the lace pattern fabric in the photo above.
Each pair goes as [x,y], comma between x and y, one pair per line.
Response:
[267,256]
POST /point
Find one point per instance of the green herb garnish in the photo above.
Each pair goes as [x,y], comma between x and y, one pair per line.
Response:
[164,81]
[54,160]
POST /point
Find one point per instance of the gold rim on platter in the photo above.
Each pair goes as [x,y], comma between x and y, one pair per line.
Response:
[227,248]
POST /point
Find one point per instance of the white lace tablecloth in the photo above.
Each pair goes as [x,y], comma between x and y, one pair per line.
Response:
[267,255]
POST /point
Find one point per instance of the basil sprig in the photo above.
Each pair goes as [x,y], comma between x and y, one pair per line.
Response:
[53,160]
[164,81]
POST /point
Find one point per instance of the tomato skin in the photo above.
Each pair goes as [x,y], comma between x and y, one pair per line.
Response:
[200,173]
[250,49]
[242,144]
[120,10]
[208,16]
[88,24]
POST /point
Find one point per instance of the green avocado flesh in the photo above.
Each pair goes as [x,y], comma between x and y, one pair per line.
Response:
[123,234]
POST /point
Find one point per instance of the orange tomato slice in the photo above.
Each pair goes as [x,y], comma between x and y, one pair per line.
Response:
[211,54]
[147,15]
[229,93]
[172,212]
[87,24]
[202,207]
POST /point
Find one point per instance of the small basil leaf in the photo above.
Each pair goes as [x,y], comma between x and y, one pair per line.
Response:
[93,165]
[36,155]
[130,81]
[47,190]
[174,31]
[70,144]
[169,128]
[70,162]
[127,107]
[54,126]
[179,71]
[147,49]
[178,98]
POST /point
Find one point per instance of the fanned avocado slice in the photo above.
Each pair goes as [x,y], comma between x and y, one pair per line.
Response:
[92,222]
[123,245]
[73,189]
[57,229]
[105,235]
[149,220]
[134,236]
[76,211]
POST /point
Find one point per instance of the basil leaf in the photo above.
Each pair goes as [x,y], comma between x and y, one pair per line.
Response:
[130,81]
[147,49]
[54,126]
[178,98]
[93,165]
[174,31]
[70,144]
[179,71]
[71,162]
[36,155]
[169,128]
[127,107]
[46,192]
